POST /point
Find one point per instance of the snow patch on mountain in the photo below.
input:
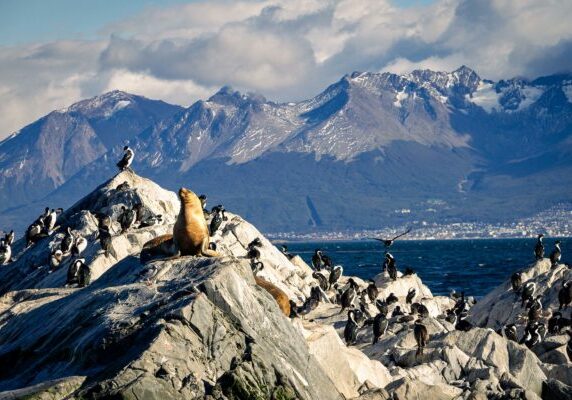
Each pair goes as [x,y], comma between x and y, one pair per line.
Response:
[567,89]
[485,97]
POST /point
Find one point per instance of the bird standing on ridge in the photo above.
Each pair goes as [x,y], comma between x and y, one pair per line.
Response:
[539,248]
[421,336]
[556,254]
[350,331]
[126,160]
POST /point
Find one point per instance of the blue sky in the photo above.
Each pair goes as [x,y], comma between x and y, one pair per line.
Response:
[56,52]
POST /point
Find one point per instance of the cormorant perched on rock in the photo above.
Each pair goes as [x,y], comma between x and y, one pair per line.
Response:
[408,271]
[322,280]
[421,336]
[382,306]
[122,187]
[146,217]
[127,218]
[50,222]
[126,160]
[535,310]
[531,335]
[203,200]
[539,248]
[5,252]
[528,292]
[33,233]
[565,295]
[335,275]
[510,332]
[218,215]
[9,238]
[284,250]
[104,238]
[516,281]
[351,329]
[557,322]
[410,295]
[56,258]
[256,266]
[73,270]
[397,312]
[391,298]
[67,242]
[463,325]
[556,254]
[388,242]
[389,265]
[380,324]
[349,295]
[84,275]
[372,291]
[80,244]
[252,249]
[421,309]
[317,261]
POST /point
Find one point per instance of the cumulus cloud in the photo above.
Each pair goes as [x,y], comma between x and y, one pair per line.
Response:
[284,49]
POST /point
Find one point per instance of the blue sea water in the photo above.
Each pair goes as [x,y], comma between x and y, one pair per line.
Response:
[475,266]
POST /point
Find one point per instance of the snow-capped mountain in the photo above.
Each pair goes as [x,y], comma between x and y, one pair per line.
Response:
[440,145]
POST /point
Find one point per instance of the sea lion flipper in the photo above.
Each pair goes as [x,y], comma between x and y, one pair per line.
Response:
[205,251]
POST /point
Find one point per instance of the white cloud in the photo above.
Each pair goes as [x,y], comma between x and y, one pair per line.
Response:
[284,49]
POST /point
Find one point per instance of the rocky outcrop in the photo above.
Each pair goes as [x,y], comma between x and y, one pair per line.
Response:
[201,328]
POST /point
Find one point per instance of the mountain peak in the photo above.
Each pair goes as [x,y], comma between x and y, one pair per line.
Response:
[226,95]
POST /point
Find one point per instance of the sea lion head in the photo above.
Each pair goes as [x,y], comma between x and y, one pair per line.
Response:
[189,197]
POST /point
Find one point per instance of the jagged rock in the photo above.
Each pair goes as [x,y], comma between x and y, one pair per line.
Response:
[556,390]
[50,390]
[503,306]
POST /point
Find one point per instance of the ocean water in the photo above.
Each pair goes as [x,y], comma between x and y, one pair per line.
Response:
[475,266]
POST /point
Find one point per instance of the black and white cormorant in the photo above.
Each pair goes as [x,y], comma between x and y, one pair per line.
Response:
[56,258]
[317,261]
[351,329]
[73,270]
[127,159]
[531,335]
[252,249]
[80,244]
[516,281]
[556,254]
[218,215]
[382,306]
[390,267]
[335,275]
[391,298]
[535,310]
[349,295]
[372,291]
[5,252]
[539,248]
[322,280]
[569,346]
[421,336]
[421,310]
[67,242]
[410,295]
[527,292]
[565,295]
[380,324]
[510,332]
[127,218]
[284,250]
[145,217]
[9,238]
[397,312]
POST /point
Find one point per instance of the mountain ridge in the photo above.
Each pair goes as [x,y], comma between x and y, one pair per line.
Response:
[393,140]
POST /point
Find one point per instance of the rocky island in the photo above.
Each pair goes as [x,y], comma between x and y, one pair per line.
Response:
[202,328]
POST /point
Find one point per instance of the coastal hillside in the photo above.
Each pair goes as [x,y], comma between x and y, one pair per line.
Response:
[205,328]
[430,146]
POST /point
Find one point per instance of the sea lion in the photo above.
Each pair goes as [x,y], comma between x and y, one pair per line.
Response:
[158,247]
[280,297]
[191,233]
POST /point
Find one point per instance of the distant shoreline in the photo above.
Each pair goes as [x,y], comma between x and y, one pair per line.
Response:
[333,240]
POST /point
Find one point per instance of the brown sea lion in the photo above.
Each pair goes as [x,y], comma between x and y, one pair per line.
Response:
[159,247]
[280,297]
[191,233]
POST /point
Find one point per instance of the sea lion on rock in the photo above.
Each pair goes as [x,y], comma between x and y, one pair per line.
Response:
[278,294]
[191,233]
[158,247]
